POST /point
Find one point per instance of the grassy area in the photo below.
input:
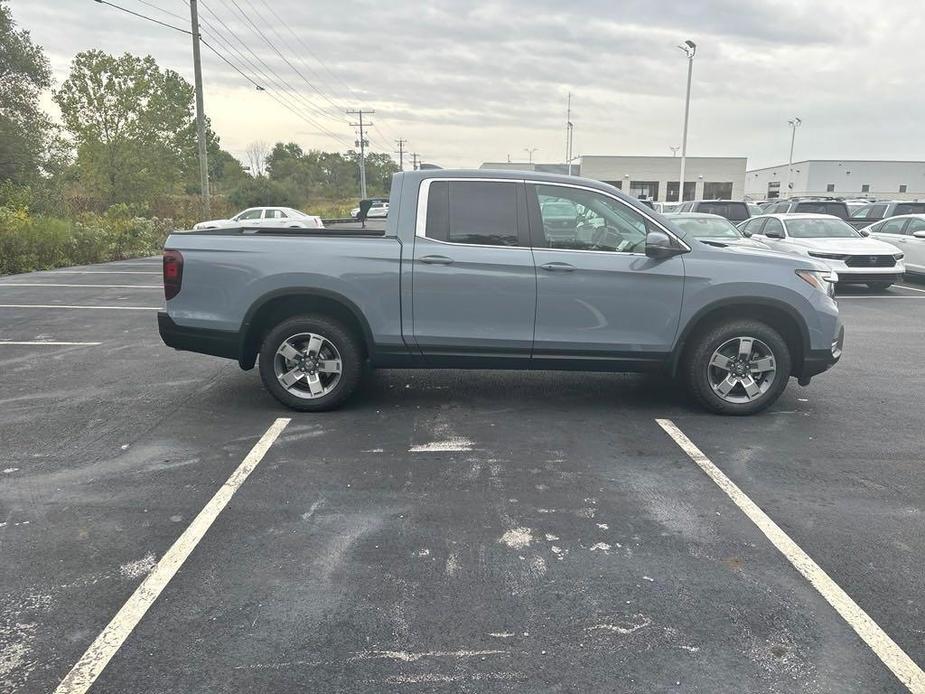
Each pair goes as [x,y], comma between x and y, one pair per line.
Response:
[30,242]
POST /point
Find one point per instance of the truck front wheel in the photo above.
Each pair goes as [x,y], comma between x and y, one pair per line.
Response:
[310,363]
[738,367]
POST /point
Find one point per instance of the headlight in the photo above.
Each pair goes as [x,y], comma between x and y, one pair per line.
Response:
[824,281]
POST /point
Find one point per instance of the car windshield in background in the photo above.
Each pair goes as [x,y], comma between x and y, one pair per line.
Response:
[706,228]
[734,211]
[909,208]
[820,229]
[836,209]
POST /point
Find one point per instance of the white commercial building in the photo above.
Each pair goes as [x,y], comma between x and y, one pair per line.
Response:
[847,178]
[655,178]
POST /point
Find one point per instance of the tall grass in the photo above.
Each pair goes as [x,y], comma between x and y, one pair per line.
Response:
[41,242]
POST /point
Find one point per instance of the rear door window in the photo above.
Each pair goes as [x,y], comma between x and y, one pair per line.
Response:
[473,212]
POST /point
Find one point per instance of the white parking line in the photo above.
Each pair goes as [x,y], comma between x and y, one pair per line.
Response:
[880,643]
[91,286]
[101,272]
[914,289]
[94,660]
[895,296]
[51,342]
[109,308]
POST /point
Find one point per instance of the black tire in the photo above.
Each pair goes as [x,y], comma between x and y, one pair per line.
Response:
[879,286]
[696,365]
[346,344]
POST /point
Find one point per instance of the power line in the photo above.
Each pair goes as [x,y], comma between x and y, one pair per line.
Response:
[161,9]
[308,49]
[287,91]
[144,16]
[277,51]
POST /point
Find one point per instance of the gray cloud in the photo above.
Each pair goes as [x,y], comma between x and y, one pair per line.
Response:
[470,81]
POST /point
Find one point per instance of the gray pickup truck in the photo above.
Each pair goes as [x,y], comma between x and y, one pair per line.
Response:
[501,269]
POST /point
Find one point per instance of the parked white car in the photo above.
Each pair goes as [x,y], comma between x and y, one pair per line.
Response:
[379,210]
[906,232]
[265,217]
[712,229]
[855,258]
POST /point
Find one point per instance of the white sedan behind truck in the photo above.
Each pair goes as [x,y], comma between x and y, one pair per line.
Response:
[906,232]
[858,259]
[258,217]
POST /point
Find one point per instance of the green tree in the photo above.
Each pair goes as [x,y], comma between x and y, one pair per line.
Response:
[132,123]
[24,129]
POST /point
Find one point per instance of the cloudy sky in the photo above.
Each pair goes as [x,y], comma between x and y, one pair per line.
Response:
[466,82]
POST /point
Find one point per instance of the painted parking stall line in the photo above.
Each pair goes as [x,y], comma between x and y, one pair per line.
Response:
[104,647]
[72,306]
[899,663]
[88,286]
[50,342]
[102,272]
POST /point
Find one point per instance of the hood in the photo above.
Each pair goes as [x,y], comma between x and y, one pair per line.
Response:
[721,242]
[759,252]
[868,246]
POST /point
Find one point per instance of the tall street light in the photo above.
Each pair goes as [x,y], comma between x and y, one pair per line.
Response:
[530,151]
[690,48]
[794,124]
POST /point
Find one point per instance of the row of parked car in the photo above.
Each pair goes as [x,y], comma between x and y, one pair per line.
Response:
[876,255]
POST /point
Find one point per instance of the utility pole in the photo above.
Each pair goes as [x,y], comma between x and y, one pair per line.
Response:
[401,153]
[414,161]
[200,111]
[361,143]
[690,48]
[794,124]
[569,127]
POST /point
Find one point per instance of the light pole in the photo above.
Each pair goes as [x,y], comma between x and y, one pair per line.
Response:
[530,151]
[794,124]
[689,48]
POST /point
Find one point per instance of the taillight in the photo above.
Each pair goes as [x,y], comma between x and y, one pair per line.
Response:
[173,273]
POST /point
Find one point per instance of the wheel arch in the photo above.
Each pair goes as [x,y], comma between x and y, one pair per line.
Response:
[777,314]
[280,304]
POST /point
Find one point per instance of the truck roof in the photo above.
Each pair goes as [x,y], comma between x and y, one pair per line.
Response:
[514,175]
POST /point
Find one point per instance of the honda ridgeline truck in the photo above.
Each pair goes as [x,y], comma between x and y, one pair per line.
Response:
[501,270]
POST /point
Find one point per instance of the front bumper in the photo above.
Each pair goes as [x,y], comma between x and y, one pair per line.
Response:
[817,361]
[218,343]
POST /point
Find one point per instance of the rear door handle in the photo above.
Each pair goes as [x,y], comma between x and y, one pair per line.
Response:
[435,259]
[558,267]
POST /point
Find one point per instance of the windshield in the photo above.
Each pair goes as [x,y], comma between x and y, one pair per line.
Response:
[736,211]
[707,228]
[560,209]
[909,208]
[837,209]
[820,229]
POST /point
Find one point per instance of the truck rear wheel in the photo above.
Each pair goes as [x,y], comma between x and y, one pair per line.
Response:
[738,367]
[310,363]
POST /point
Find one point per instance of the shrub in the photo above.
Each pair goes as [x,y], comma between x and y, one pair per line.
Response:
[30,243]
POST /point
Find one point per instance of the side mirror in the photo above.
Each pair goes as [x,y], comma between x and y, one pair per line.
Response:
[660,245]
[773,234]
[864,232]
[919,234]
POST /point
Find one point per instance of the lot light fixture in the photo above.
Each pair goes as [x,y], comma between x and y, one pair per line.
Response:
[689,48]
[794,123]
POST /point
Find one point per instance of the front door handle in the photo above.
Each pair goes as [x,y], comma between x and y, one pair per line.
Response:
[435,259]
[558,267]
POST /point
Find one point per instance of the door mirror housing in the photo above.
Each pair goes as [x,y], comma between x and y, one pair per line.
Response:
[661,245]
[864,232]
[919,234]
[773,234]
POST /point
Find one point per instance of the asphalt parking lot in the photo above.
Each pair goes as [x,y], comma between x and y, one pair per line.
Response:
[445,531]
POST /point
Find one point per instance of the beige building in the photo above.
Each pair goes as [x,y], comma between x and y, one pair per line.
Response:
[896,180]
[656,178]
